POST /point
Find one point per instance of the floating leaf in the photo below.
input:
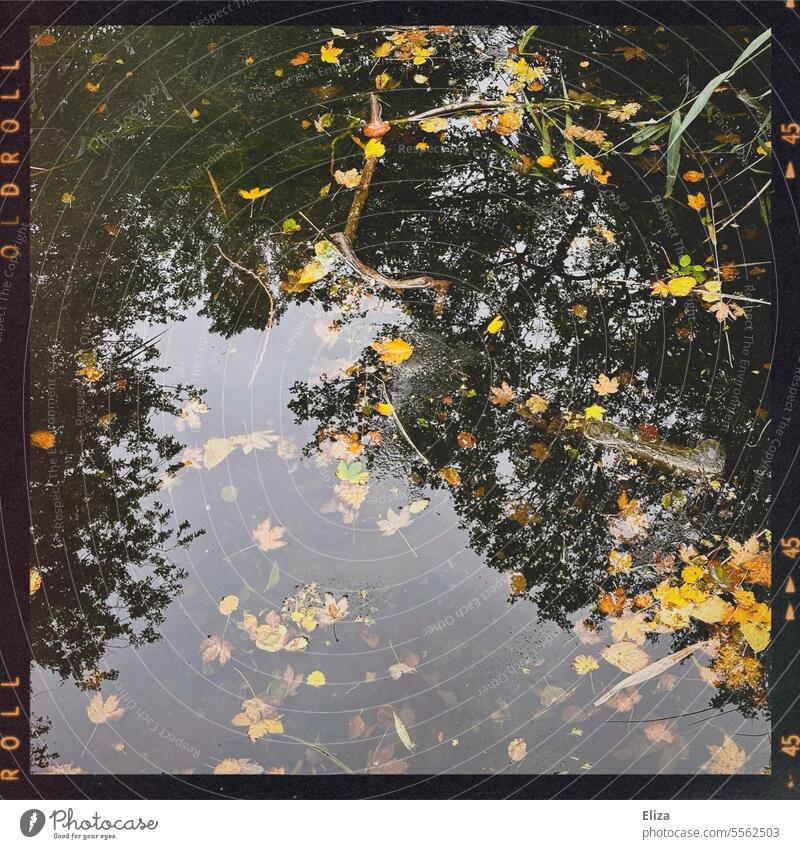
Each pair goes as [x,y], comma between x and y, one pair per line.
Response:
[354,473]
[626,656]
[265,726]
[726,759]
[254,193]
[433,125]
[394,522]
[315,679]
[330,54]
[606,385]
[501,395]
[43,439]
[228,604]
[215,648]
[396,670]
[35,580]
[584,663]
[393,351]
[517,749]
[650,671]
[99,711]
[267,537]
[495,325]
[374,147]
[756,635]
[402,733]
[274,577]
[451,475]
[216,450]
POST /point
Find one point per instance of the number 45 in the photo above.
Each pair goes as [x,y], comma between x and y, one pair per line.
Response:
[790,745]
[790,132]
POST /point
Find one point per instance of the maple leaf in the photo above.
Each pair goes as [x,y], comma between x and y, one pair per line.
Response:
[393,351]
[630,626]
[536,404]
[330,54]
[254,193]
[631,52]
[396,670]
[265,726]
[215,648]
[726,759]
[606,385]
[465,439]
[350,178]
[383,50]
[501,395]
[508,123]
[626,656]
[99,711]
[238,766]
[374,147]
[394,522]
[332,610]
[658,732]
[517,749]
[696,202]
[619,562]
[584,663]
[594,412]
[268,537]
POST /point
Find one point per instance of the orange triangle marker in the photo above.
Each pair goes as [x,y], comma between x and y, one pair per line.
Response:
[790,171]
[790,588]
[789,613]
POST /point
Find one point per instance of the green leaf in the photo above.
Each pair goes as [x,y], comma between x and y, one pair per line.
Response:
[685,261]
[354,473]
[673,151]
[700,102]
[274,577]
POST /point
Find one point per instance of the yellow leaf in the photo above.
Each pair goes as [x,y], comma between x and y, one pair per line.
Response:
[374,147]
[536,404]
[433,125]
[710,611]
[383,50]
[228,604]
[697,201]
[310,273]
[90,373]
[67,197]
[594,412]
[383,408]
[195,113]
[756,635]
[35,580]
[626,656]
[315,679]
[421,79]
[92,87]
[265,726]
[584,663]
[330,54]
[451,475]
[694,176]
[254,194]
[393,351]
[216,450]
[508,123]
[495,325]
[545,161]
[681,286]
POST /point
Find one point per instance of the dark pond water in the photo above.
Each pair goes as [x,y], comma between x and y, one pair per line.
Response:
[490,555]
